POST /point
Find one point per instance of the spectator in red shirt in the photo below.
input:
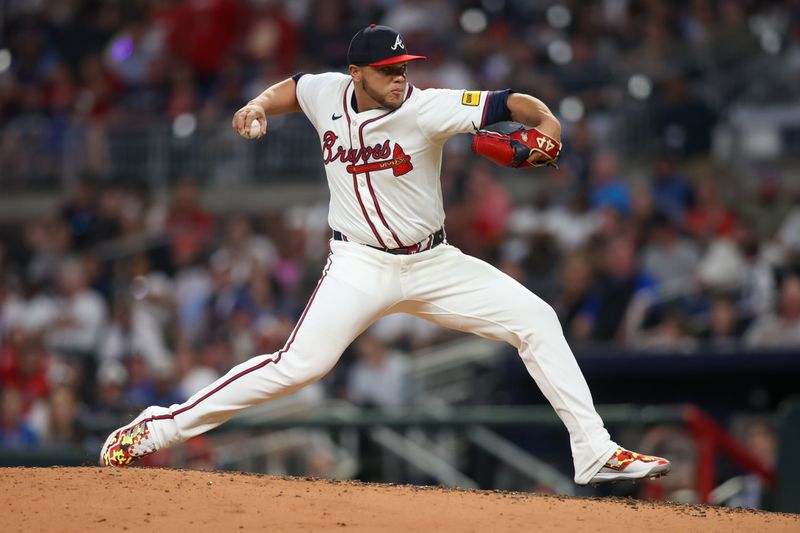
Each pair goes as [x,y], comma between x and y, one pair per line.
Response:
[188,226]
[709,217]
[23,366]
[272,37]
[202,32]
[490,205]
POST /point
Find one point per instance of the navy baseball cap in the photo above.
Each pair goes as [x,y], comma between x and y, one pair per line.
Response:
[376,46]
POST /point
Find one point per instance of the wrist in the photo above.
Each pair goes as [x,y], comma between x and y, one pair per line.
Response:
[257,104]
[550,127]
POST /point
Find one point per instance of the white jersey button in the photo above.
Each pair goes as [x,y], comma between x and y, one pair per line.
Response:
[390,241]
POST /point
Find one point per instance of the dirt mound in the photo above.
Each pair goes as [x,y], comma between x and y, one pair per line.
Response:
[104,499]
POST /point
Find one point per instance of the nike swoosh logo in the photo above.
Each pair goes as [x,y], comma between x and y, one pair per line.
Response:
[335,116]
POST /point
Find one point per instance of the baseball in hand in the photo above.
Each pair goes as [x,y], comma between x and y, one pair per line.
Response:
[254,131]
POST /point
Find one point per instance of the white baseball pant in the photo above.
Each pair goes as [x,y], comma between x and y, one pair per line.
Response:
[360,284]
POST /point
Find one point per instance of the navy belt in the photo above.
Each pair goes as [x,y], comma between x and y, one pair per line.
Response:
[432,241]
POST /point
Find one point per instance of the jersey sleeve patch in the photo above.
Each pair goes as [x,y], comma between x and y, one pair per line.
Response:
[471,98]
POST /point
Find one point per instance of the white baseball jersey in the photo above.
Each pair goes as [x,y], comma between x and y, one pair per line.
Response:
[383,166]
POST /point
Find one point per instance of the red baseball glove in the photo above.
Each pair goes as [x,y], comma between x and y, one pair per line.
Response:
[510,144]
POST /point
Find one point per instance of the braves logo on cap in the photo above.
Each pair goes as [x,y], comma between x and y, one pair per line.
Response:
[398,42]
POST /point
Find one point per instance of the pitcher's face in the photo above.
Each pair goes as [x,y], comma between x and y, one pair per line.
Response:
[386,85]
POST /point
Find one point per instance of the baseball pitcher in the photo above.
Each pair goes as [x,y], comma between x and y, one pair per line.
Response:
[381,140]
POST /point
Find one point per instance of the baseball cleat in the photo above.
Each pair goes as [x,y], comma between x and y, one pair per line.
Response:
[631,466]
[128,443]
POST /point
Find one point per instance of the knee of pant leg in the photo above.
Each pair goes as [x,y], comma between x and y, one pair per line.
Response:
[543,322]
[549,315]
[546,316]
[301,370]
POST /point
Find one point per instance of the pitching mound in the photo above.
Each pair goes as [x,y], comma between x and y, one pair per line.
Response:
[137,499]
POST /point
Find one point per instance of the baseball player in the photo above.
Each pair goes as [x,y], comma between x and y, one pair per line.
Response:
[381,141]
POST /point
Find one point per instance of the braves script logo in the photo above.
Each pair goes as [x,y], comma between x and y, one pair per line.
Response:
[400,162]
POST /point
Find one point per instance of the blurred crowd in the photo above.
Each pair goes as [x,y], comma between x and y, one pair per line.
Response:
[126,296]
[122,299]
[72,69]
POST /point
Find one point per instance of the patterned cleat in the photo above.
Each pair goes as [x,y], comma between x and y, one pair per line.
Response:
[128,443]
[628,465]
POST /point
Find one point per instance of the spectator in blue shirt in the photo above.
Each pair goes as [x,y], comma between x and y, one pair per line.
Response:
[15,433]
[608,191]
[672,191]
[619,298]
